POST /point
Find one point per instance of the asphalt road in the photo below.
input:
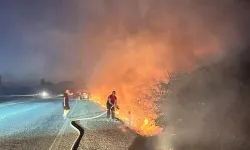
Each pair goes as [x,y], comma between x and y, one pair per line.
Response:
[39,125]
[26,120]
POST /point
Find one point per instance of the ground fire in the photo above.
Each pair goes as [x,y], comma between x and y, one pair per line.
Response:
[139,124]
[135,43]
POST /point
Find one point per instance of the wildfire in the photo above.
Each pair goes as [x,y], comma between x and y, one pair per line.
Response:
[144,127]
[130,68]
[130,51]
[146,122]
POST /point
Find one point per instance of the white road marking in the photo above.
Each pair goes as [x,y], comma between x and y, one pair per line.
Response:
[21,111]
[17,103]
[58,138]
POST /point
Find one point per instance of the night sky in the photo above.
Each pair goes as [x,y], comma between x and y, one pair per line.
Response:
[33,34]
[67,40]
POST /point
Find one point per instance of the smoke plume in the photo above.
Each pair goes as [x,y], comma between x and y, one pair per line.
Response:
[131,42]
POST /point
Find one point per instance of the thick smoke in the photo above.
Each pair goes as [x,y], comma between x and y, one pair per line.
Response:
[130,42]
[209,107]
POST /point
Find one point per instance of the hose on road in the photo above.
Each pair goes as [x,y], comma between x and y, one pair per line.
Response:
[77,127]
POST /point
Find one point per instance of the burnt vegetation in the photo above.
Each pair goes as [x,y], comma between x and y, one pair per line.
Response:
[209,107]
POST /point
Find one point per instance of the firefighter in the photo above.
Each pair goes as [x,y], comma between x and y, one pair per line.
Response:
[66,102]
[111,105]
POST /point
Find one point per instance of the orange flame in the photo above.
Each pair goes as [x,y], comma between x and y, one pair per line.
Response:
[146,122]
[132,53]
[144,127]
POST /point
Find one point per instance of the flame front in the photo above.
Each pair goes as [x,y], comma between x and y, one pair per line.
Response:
[136,121]
[133,50]
[130,67]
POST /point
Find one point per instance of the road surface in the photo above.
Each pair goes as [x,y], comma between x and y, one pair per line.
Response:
[39,124]
[30,120]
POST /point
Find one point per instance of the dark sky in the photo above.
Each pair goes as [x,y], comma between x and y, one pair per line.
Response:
[67,40]
[32,34]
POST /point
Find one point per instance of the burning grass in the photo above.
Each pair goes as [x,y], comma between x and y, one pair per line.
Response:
[142,111]
[138,122]
[129,48]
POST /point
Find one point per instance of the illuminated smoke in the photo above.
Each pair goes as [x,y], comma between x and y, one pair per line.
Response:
[134,41]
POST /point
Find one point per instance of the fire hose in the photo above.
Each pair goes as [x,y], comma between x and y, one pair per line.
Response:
[81,133]
[73,121]
[75,126]
[78,128]
[54,145]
